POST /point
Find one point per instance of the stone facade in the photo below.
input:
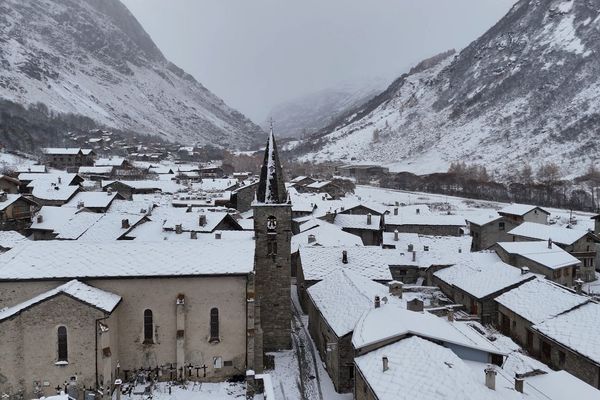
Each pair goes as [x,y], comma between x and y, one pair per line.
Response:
[486,235]
[362,390]
[429,230]
[272,263]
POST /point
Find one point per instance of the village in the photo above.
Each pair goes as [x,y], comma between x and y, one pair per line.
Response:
[148,276]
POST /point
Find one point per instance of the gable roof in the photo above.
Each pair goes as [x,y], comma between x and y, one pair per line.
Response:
[368,261]
[520,209]
[540,299]
[100,299]
[532,230]
[325,234]
[68,259]
[551,257]
[483,279]
[356,221]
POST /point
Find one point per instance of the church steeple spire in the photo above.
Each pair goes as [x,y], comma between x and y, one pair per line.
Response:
[271,189]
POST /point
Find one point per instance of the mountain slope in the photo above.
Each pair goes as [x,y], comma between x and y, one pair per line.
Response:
[313,112]
[93,58]
[526,91]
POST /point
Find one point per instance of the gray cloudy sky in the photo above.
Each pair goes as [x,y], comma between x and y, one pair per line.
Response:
[257,53]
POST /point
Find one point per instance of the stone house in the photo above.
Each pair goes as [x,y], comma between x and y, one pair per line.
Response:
[476,283]
[569,342]
[580,244]
[541,258]
[516,214]
[368,227]
[489,230]
[533,303]
[302,181]
[363,209]
[68,158]
[316,263]
[97,174]
[433,225]
[363,173]
[328,187]
[242,197]
[15,211]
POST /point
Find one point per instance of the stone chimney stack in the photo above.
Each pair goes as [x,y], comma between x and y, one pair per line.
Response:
[524,270]
[490,377]
[218,235]
[179,229]
[396,288]
[377,302]
[396,235]
[578,285]
[40,218]
[418,211]
[193,235]
[414,256]
[519,384]
[395,210]
[369,219]
[415,305]
[386,363]
[549,243]
[450,315]
[59,180]
[125,223]
[312,238]
[202,220]
[410,247]
[344,257]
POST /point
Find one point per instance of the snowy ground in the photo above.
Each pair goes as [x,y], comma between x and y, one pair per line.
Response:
[194,391]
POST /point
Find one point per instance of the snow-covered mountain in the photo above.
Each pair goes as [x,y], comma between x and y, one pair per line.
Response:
[526,91]
[93,58]
[312,112]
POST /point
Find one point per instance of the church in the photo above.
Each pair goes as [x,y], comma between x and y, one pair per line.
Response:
[77,316]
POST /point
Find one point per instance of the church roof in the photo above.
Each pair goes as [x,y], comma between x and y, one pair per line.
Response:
[271,188]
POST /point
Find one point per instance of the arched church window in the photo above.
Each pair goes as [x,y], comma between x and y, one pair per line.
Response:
[148,327]
[214,325]
[63,353]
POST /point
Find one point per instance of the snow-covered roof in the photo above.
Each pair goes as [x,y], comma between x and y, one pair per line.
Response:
[521,209]
[109,227]
[299,178]
[392,321]
[92,199]
[483,279]
[551,257]
[100,299]
[165,186]
[370,262]
[75,259]
[110,162]
[318,185]
[431,250]
[190,221]
[10,199]
[420,219]
[95,170]
[484,219]
[215,185]
[558,234]
[61,150]
[421,369]
[57,192]
[343,296]
[31,169]
[350,221]
[540,299]
[9,239]
[577,330]
[558,385]
[325,234]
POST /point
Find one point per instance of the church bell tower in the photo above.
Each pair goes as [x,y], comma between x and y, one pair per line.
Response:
[272,255]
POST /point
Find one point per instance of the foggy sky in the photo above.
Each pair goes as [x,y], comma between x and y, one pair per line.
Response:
[256,54]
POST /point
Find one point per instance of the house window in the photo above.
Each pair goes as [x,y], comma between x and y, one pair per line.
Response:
[63,353]
[501,226]
[217,362]
[214,325]
[148,327]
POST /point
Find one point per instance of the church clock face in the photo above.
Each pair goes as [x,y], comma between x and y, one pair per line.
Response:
[271,224]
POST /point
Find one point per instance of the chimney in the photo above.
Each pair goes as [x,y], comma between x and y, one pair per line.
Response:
[579,285]
[124,224]
[179,229]
[344,257]
[450,315]
[396,235]
[418,211]
[218,235]
[193,235]
[395,210]
[202,219]
[189,208]
[109,191]
[40,218]
[396,288]
[59,180]
[386,363]
[519,384]
[549,243]
[410,247]
[414,256]
[524,270]
[377,302]
[490,377]
[312,238]
[415,305]
[459,250]
[369,219]
[3,196]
